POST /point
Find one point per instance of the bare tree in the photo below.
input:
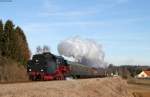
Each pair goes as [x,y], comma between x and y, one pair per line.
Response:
[46,49]
[39,50]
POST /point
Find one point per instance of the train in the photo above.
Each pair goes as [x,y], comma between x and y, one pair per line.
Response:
[47,66]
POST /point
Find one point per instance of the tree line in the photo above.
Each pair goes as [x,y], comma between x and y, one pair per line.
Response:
[13,43]
[126,70]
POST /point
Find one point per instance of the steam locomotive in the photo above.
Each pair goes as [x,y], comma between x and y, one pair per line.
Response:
[47,66]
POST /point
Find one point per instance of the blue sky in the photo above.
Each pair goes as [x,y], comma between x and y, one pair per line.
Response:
[122,27]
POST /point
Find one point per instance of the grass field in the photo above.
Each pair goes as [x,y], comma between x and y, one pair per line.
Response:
[94,87]
[139,87]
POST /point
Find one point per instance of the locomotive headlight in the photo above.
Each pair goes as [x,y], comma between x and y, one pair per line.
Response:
[42,70]
[30,70]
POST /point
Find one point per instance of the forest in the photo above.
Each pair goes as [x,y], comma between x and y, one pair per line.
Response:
[14,52]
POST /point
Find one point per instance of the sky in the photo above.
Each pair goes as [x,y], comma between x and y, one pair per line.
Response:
[122,27]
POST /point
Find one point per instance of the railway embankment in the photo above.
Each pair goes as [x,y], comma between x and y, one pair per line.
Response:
[94,87]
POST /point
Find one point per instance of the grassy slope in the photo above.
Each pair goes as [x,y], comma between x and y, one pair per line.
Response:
[11,71]
[98,87]
[139,87]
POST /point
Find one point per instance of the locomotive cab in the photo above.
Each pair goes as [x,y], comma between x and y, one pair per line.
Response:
[61,61]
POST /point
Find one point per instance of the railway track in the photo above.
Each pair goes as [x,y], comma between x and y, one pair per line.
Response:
[19,82]
[28,81]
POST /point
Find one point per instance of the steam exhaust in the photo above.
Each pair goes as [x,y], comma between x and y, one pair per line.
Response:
[84,51]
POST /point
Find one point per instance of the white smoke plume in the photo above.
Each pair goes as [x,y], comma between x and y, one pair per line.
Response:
[84,51]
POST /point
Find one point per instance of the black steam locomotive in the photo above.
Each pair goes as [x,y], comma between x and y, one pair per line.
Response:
[47,66]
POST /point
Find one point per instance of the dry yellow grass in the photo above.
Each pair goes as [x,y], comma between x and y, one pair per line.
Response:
[100,87]
[139,87]
[139,90]
[11,71]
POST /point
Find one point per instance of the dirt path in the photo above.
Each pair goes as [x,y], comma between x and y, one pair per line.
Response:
[100,87]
